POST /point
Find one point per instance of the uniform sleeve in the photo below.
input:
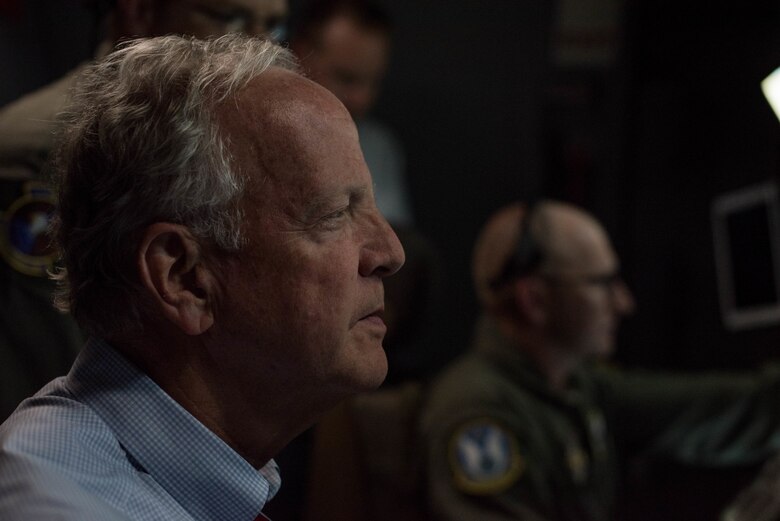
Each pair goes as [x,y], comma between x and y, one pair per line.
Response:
[27,125]
[709,420]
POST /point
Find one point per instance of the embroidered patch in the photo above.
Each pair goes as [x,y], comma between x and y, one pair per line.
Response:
[24,241]
[484,457]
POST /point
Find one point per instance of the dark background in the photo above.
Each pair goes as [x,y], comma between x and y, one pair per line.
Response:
[645,142]
[645,139]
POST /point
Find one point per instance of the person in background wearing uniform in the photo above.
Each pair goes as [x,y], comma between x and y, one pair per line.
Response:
[223,249]
[36,342]
[344,45]
[527,425]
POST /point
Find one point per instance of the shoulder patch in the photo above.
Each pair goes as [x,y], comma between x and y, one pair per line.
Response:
[484,457]
[24,241]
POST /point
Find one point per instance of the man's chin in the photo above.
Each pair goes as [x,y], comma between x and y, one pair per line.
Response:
[375,374]
[368,370]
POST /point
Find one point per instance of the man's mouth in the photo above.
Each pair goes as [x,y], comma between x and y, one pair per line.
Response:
[375,318]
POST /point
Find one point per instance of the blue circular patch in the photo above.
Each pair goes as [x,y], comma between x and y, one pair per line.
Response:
[24,240]
[484,457]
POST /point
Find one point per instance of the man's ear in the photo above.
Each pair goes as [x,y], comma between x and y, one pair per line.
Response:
[171,268]
[531,300]
[134,17]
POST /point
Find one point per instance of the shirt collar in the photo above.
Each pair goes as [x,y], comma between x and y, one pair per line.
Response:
[197,468]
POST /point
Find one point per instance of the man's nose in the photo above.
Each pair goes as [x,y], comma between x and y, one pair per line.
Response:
[624,299]
[383,254]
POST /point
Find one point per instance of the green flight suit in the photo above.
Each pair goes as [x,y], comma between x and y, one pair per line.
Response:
[37,343]
[500,444]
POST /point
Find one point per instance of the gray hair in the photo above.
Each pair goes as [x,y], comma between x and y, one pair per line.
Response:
[140,145]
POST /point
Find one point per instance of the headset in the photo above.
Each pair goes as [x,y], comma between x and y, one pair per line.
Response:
[527,255]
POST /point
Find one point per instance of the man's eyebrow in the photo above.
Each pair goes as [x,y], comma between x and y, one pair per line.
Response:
[323,203]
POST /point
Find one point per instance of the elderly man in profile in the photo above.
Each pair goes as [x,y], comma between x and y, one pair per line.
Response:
[528,426]
[223,249]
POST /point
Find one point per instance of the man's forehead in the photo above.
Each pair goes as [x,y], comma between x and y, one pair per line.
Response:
[279,96]
[276,106]
[280,121]
[577,241]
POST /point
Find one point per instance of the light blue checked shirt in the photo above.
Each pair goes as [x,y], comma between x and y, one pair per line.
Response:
[105,443]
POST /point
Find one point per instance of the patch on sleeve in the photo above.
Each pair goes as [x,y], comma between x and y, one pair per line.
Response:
[24,240]
[484,457]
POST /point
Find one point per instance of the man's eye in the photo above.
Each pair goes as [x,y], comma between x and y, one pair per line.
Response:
[332,220]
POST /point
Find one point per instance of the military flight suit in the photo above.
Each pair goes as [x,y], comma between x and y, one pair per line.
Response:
[37,343]
[500,444]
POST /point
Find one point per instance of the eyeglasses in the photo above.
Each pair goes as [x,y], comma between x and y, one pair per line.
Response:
[527,256]
[239,19]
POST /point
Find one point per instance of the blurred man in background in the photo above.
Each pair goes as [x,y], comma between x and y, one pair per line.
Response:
[36,342]
[528,426]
